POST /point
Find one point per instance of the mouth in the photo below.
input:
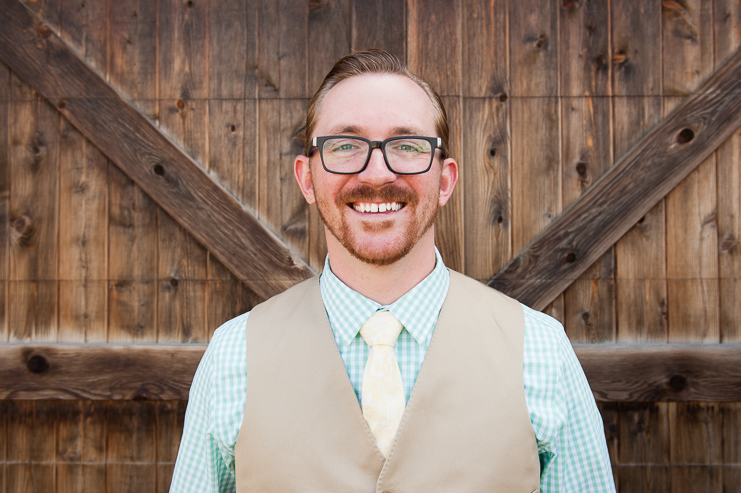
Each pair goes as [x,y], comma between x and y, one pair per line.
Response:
[376,208]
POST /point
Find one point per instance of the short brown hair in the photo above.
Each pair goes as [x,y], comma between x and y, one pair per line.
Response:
[374,61]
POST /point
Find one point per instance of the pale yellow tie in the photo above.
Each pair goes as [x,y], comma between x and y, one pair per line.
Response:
[383,391]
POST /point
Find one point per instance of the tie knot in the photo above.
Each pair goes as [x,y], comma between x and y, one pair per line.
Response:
[382,328]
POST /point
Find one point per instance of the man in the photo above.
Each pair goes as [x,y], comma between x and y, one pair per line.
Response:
[479,393]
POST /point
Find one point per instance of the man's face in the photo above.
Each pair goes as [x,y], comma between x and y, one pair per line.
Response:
[376,107]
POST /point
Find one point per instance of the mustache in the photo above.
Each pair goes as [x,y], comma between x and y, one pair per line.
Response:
[388,193]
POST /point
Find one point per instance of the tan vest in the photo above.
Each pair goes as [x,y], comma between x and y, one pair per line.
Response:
[465,429]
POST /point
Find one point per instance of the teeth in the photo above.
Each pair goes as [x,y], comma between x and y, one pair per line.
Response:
[373,207]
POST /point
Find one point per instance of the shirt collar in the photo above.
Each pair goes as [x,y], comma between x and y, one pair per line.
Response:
[417,310]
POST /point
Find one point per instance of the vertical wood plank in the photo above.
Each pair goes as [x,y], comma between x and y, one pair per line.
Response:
[181,272]
[380,24]
[433,49]
[636,48]
[131,451]
[232,49]
[697,433]
[227,299]
[642,479]
[449,228]
[132,61]
[691,208]
[485,174]
[485,48]
[283,49]
[589,311]
[536,178]
[584,49]
[83,25]
[727,36]
[281,205]
[644,434]
[533,28]
[183,49]
[329,38]
[33,218]
[170,419]
[640,255]
[689,479]
[83,216]
[5,186]
[731,432]
[132,221]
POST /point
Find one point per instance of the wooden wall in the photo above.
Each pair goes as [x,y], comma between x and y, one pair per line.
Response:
[543,97]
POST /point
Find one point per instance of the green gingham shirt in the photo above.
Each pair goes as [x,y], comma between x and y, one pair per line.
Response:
[567,424]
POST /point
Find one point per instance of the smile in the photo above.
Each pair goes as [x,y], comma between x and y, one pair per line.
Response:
[373,207]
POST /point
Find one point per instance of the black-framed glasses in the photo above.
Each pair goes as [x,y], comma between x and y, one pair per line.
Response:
[349,154]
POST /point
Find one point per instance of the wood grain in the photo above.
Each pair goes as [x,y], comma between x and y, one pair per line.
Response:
[232,49]
[450,224]
[215,218]
[161,371]
[380,24]
[534,48]
[627,191]
[484,43]
[691,208]
[5,186]
[616,372]
[485,178]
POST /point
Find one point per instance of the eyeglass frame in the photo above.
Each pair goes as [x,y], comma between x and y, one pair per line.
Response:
[435,142]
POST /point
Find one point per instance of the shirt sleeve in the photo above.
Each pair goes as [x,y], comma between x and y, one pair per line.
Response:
[567,424]
[205,461]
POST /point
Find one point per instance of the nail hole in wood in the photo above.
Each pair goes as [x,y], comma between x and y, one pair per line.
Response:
[503,97]
[174,282]
[492,152]
[581,168]
[158,170]
[685,136]
[570,257]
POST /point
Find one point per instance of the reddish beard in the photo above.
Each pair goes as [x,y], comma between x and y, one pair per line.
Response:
[389,193]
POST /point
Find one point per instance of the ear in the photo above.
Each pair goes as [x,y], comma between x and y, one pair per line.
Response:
[448,179]
[303,176]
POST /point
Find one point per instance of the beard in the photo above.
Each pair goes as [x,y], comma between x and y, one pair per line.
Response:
[349,238]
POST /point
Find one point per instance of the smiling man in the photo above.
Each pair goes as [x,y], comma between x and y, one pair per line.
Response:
[388,372]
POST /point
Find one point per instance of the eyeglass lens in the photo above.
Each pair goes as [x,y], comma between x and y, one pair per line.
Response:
[347,155]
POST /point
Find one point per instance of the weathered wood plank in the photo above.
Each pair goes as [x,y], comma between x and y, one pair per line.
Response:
[627,191]
[727,36]
[433,41]
[485,60]
[450,225]
[487,206]
[99,371]
[130,463]
[185,191]
[616,372]
[533,35]
[183,49]
[327,45]
[232,49]
[182,262]
[4,197]
[691,207]
[380,24]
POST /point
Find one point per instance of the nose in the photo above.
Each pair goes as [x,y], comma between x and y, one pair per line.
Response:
[376,174]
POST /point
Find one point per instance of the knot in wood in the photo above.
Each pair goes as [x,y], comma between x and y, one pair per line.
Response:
[678,383]
[37,364]
[503,97]
[43,31]
[685,135]
[581,168]
[62,104]
[158,169]
[569,258]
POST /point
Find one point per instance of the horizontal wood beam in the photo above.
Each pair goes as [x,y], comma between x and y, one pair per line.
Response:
[626,191]
[644,373]
[168,175]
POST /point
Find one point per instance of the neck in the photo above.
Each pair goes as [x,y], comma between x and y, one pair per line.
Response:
[387,283]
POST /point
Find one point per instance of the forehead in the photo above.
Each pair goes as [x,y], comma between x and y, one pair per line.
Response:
[376,106]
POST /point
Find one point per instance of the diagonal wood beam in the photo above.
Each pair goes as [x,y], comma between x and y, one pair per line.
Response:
[626,192]
[168,175]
